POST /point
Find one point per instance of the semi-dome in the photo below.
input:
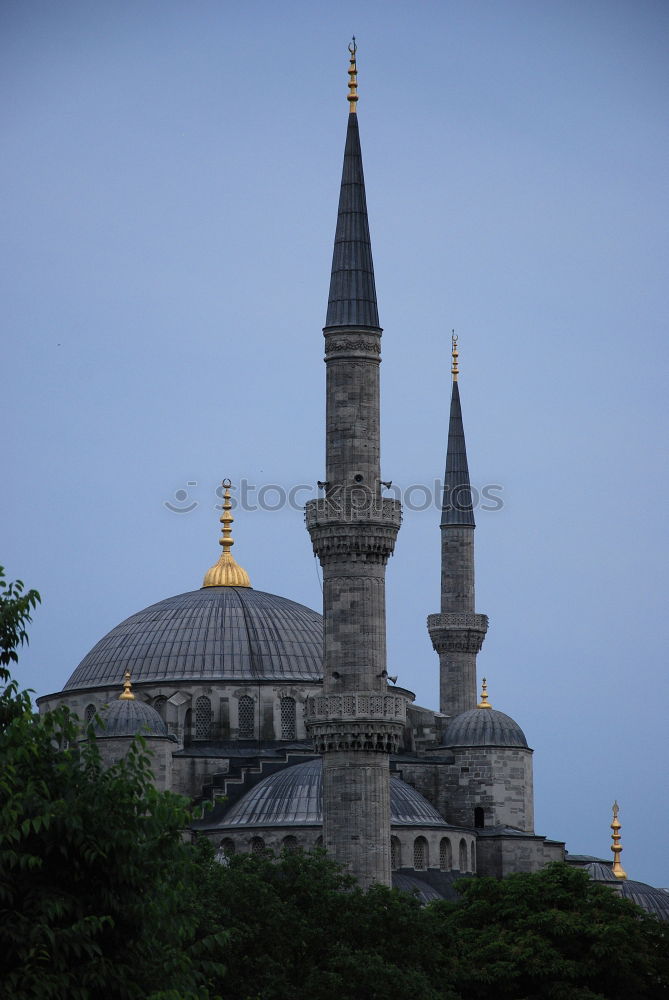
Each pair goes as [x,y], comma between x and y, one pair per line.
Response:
[216,634]
[294,796]
[483,726]
[128,717]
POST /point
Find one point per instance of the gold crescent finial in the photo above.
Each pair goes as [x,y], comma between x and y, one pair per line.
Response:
[484,703]
[352,77]
[126,694]
[226,572]
[616,847]
[454,355]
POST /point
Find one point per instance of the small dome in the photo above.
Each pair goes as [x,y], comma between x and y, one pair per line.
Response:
[293,796]
[217,633]
[483,727]
[127,717]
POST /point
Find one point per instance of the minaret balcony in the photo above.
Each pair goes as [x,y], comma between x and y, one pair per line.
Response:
[343,527]
[457,631]
[360,720]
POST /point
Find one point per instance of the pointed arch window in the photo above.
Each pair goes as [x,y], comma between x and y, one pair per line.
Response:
[257,845]
[160,705]
[395,853]
[89,713]
[247,718]
[462,860]
[445,855]
[202,718]
[288,719]
[420,858]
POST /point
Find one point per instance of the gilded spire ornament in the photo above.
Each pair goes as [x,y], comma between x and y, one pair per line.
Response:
[126,694]
[454,355]
[353,77]
[616,846]
[484,703]
[226,572]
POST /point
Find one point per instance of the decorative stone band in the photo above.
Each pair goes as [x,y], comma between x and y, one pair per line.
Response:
[457,632]
[354,505]
[359,720]
[345,530]
[381,737]
[356,344]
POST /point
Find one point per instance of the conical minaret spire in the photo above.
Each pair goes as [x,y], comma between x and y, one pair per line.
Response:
[457,633]
[357,722]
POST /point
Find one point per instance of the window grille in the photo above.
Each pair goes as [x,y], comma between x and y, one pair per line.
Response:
[257,845]
[246,718]
[202,718]
[228,846]
[463,855]
[288,719]
[420,853]
[395,854]
[377,704]
[160,705]
[289,843]
[445,855]
[89,713]
[473,857]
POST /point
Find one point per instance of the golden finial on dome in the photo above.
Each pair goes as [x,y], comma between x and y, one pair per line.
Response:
[616,847]
[226,572]
[454,355]
[484,696]
[126,694]
[353,77]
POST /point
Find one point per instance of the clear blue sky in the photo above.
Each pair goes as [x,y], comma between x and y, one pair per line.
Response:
[170,177]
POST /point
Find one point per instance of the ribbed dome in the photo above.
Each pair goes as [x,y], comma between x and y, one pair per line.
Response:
[294,796]
[217,633]
[646,896]
[483,727]
[127,717]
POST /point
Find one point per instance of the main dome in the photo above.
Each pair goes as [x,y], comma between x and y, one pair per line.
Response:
[216,634]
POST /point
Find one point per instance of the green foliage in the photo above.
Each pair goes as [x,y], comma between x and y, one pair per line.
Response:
[98,892]
[554,935]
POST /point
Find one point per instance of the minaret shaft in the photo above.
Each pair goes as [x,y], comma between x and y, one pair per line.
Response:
[356,722]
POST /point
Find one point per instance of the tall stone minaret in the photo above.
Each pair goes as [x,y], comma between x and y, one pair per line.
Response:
[357,721]
[458,632]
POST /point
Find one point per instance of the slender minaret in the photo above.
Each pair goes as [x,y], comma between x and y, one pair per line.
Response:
[356,722]
[458,632]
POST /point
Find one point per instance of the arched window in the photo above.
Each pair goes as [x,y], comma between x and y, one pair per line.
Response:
[89,713]
[479,818]
[395,853]
[188,722]
[288,719]
[202,718]
[420,859]
[257,845]
[160,705]
[247,718]
[289,843]
[463,855]
[473,856]
[319,842]
[228,846]
[445,855]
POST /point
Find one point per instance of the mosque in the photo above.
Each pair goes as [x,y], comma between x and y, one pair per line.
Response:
[285,719]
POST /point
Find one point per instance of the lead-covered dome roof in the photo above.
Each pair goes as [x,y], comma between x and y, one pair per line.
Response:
[217,633]
[483,727]
[127,717]
[294,797]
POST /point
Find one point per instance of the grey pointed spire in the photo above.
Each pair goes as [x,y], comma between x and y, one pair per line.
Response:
[457,505]
[352,298]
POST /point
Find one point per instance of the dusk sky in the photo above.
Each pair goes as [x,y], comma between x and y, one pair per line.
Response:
[170,177]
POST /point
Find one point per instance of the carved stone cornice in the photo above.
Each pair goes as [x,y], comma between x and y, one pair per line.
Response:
[340,528]
[457,632]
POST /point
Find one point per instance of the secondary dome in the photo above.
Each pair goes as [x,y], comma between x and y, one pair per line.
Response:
[217,633]
[483,726]
[129,717]
[294,796]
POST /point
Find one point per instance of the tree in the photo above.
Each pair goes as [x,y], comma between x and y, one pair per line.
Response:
[99,895]
[554,935]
